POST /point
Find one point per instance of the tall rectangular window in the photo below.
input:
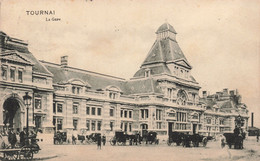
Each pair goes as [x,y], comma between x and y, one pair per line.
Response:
[130,114]
[99,111]
[37,103]
[59,108]
[78,90]
[12,74]
[93,111]
[73,90]
[99,125]
[144,113]
[130,127]
[93,125]
[20,75]
[87,110]
[4,72]
[126,126]
[111,126]
[111,111]
[75,108]
[87,125]
[170,92]
[125,114]
[159,125]
[158,114]
[121,113]
[59,124]
[75,124]
[54,107]
[121,125]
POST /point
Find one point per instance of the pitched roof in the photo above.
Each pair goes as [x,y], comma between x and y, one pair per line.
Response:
[95,80]
[21,47]
[142,86]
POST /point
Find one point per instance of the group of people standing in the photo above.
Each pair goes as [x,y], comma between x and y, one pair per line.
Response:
[15,137]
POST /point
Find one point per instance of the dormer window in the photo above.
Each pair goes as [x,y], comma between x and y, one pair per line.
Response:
[76,90]
[73,90]
[113,92]
[112,95]
[4,72]
[169,92]
[20,75]
[147,73]
[12,74]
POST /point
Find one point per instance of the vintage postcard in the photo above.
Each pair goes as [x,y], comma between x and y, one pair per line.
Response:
[128,80]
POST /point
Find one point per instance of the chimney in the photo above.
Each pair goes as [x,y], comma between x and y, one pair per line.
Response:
[252,119]
[232,93]
[225,91]
[64,61]
[204,94]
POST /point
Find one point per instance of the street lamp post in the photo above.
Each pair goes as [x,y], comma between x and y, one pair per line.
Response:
[27,100]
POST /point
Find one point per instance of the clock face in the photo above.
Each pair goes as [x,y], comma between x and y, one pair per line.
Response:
[181,98]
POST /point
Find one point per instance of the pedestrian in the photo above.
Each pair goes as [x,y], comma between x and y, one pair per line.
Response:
[222,141]
[104,140]
[99,141]
[257,137]
[12,138]
[73,140]
[22,137]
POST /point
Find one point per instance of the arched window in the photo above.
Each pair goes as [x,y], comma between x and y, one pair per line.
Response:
[181,97]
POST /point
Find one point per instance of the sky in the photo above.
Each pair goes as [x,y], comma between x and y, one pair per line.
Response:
[220,39]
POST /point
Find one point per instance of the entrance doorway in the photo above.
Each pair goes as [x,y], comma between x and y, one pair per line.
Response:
[38,122]
[12,114]
[144,128]
[170,125]
[194,128]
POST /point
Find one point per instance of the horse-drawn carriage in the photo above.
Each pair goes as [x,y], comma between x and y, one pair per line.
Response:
[122,138]
[187,139]
[150,137]
[119,138]
[60,137]
[235,139]
[92,138]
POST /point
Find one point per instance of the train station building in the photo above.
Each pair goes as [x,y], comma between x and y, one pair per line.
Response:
[162,95]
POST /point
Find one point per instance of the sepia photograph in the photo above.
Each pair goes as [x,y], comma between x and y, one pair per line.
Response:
[129,80]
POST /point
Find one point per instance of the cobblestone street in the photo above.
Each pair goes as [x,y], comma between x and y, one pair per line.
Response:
[212,152]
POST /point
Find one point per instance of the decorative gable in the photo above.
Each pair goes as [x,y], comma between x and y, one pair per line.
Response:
[13,56]
[183,63]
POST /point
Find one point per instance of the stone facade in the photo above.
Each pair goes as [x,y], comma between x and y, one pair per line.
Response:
[162,96]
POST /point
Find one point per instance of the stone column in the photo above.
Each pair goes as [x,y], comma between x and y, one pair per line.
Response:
[48,107]
[151,119]
[106,117]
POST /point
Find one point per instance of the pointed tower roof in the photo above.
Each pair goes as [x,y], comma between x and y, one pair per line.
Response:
[166,27]
[165,49]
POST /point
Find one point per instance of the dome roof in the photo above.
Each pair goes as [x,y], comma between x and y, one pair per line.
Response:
[166,27]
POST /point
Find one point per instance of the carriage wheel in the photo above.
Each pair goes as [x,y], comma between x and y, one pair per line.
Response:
[205,142]
[56,142]
[112,141]
[120,143]
[26,154]
[169,143]
[36,148]
[11,155]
